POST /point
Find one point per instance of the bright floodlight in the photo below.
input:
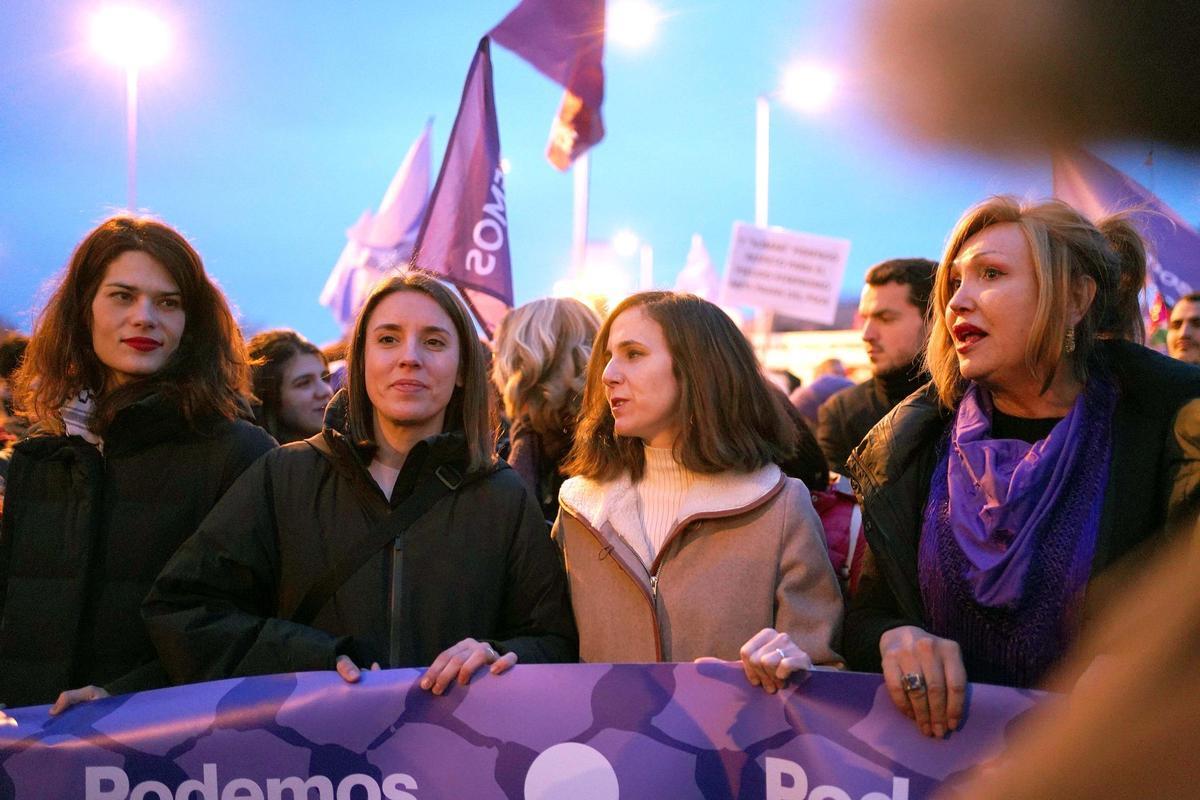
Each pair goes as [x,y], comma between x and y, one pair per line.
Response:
[625,243]
[505,166]
[631,24]
[808,87]
[129,36]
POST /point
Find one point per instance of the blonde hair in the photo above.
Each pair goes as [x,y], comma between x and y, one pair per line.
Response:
[1065,248]
[540,362]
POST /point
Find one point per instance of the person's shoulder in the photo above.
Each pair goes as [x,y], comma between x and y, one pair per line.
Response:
[850,397]
[1150,377]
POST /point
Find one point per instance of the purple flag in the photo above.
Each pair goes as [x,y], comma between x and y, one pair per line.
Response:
[465,234]
[1096,189]
[382,242]
[564,40]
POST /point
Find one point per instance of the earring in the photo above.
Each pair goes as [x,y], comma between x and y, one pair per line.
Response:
[1070,343]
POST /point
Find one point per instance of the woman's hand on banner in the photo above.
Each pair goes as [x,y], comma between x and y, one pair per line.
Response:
[925,677]
[349,671]
[770,657]
[74,696]
[460,661]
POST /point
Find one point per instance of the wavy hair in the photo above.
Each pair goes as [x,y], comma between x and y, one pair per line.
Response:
[207,375]
[270,352]
[730,417]
[540,358]
[1065,248]
[470,406]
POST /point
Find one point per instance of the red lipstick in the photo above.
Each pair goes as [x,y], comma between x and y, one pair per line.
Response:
[142,344]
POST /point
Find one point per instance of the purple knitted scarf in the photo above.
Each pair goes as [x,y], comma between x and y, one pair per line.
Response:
[1009,533]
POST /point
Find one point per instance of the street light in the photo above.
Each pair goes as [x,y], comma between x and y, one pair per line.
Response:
[132,38]
[805,86]
[626,244]
[631,24]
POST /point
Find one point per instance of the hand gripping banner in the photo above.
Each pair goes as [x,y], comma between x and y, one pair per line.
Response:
[581,732]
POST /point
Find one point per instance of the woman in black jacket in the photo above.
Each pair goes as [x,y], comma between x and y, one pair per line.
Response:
[394,537]
[1047,447]
[135,377]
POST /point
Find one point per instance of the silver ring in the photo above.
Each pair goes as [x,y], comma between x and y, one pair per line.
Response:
[491,653]
[782,655]
[912,682]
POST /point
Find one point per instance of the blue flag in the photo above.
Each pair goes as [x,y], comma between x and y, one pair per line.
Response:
[464,237]
[1096,189]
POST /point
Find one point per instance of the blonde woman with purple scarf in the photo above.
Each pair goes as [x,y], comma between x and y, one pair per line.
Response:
[1048,445]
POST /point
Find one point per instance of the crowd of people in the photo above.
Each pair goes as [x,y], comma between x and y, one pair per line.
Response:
[181,504]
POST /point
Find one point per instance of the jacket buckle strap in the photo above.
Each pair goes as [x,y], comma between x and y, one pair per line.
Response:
[449,476]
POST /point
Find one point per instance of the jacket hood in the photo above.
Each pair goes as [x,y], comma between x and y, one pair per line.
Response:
[719,495]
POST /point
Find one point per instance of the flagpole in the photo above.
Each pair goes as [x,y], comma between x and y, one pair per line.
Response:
[582,171]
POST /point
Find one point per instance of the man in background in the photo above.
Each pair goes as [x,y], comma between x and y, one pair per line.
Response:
[1183,331]
[893,311]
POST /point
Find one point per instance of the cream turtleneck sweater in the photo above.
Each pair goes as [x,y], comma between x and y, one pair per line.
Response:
[661,492]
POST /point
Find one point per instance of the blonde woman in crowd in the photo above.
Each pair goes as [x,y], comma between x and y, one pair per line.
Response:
[539,363]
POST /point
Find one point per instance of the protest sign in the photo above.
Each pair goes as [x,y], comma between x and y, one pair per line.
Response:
[797,274]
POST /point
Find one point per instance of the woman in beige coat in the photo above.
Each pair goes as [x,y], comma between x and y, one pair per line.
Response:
[682,537]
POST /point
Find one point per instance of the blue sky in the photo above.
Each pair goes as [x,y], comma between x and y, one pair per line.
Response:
[272,125]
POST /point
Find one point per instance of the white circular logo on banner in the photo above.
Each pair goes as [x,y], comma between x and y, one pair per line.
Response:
[571,771]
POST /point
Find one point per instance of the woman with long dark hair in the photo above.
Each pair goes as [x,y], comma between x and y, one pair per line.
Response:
[291,384]
[393,537]
[682,537]
[136,380]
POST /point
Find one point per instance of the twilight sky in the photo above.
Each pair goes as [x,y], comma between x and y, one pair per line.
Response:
[272,125]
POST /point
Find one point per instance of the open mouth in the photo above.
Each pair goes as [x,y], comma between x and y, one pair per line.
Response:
[966,334]
[616,403]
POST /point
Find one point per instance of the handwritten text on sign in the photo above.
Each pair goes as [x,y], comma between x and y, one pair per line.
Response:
[798,274]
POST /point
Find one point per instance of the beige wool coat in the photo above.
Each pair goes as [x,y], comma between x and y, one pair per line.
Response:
[746,553]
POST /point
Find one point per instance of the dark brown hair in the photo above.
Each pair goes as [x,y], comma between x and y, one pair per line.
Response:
[270,352]
[470,407]
[206,376]
[730,417]
[915,273]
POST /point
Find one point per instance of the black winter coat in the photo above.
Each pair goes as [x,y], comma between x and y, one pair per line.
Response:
[479,563]
[1153,485]
[84,534]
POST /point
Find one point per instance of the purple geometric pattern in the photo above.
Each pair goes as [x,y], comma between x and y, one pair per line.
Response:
[659,730]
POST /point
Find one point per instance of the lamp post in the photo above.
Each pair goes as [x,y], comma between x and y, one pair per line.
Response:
[131,38]
[629,25]
[805,87]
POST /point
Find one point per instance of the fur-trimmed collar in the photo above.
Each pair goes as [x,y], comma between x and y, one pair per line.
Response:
[615,502]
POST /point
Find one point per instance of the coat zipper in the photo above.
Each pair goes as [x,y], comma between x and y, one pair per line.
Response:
[394,604]
[651,599]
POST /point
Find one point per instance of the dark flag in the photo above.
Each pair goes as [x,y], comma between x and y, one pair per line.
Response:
[564,40]
[464,237]
[1095,189]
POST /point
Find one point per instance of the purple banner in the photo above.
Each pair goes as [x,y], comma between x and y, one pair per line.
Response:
[464,237]
[1097,189]
[583,732]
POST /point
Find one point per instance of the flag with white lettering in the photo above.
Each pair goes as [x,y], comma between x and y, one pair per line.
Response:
[464,237]
[1096,189]
[564,40]
[381,243]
